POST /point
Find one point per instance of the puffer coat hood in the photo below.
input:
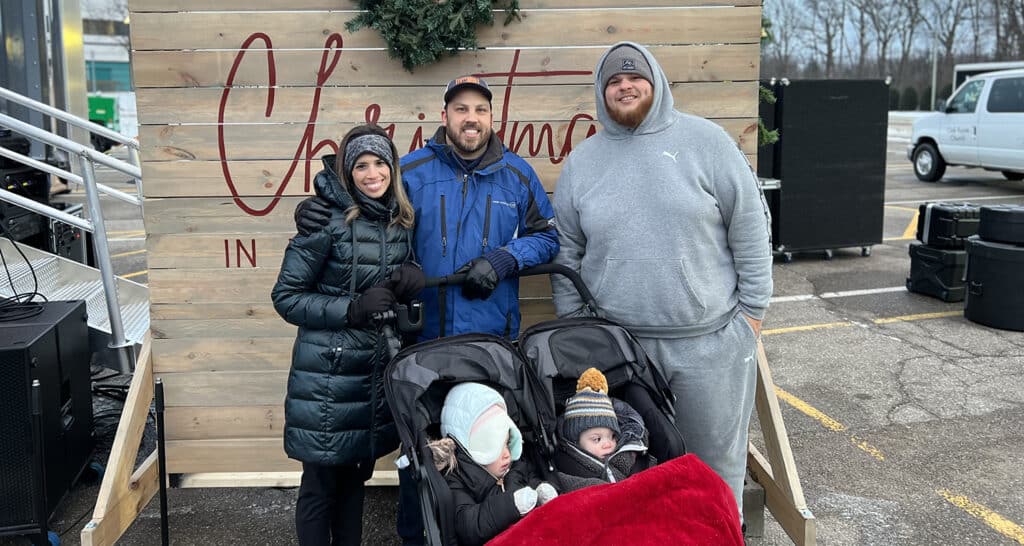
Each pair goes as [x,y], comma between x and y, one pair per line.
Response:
[335,409]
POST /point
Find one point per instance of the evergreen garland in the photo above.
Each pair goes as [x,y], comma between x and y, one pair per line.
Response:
[420,32]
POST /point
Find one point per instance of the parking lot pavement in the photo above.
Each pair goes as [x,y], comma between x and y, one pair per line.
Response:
[905,419]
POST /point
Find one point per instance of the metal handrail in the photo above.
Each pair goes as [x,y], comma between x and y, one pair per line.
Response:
[69,176]
[43,135]
[88,157]
[68,118]
[45,210]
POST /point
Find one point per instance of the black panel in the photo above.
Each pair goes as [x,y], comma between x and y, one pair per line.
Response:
[831,160]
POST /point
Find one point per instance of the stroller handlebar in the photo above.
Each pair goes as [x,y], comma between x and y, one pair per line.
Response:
[543,269]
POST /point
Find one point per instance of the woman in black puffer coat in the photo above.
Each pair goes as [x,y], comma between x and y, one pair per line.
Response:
[337,421]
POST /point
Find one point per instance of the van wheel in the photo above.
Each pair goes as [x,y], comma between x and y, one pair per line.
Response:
[1010,175]
[928,164]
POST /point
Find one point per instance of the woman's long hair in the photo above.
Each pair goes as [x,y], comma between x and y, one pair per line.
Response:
[406,214]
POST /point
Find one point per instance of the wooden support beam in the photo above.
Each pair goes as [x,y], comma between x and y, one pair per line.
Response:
[777,473]
[124,492]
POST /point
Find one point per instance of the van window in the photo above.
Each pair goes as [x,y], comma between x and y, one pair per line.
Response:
[1007,95]
[966,100]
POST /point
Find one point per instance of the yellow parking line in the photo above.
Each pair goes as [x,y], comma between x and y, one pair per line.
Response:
[129,253]
[810,411]
[827,422]
[791,329]
[1001,525]
[920,316]
[867,448]
[128,232]
[911,231]
[886,320]
[897,207]
[136,274]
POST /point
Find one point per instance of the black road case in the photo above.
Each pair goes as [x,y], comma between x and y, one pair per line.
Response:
[947,225]
[1002,224]
[937,272]
[994,294]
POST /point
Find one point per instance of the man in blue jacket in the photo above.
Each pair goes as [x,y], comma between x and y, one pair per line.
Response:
[480,210]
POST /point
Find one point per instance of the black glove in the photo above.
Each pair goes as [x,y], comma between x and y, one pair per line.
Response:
[375,299]
[312,214]
[406,282]
[481,279]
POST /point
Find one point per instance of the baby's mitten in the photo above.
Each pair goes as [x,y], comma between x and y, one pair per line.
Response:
[526,499]
[545,492]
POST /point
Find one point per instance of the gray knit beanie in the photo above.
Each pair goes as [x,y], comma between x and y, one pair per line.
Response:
[367,144]
[625,59]
[589,408]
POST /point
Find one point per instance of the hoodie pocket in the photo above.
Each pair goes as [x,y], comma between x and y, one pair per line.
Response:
[651,292]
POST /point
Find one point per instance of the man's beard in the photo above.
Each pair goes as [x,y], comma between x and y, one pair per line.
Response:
[634,117]
[462,147]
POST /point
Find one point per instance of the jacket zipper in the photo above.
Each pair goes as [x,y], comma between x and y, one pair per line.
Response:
[487,224]
[462,207]
[444,229]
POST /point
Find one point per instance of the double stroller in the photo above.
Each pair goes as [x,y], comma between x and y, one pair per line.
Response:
[535,375]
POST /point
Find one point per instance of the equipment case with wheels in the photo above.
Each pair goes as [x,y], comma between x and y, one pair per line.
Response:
[937,272]
[947,225]
[994,294]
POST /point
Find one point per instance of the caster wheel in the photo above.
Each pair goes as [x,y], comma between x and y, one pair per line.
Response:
[53,537]
[787,257]
[828,254]
[866,251]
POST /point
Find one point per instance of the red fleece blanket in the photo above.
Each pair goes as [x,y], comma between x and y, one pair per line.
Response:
[681,501]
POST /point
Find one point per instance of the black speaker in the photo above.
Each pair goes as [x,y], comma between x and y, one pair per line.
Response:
[51,347]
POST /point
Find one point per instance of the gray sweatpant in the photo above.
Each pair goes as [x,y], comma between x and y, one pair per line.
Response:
[713,377]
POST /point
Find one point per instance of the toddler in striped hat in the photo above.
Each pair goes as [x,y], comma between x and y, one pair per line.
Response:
[590,418]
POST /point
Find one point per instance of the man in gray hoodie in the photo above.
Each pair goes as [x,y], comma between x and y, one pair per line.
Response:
[664,219]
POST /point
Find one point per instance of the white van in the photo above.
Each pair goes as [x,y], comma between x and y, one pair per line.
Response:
[982,125]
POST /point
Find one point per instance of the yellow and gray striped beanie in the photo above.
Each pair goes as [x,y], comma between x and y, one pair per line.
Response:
[590,407]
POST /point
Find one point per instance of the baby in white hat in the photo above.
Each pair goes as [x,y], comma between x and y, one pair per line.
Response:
[492,485]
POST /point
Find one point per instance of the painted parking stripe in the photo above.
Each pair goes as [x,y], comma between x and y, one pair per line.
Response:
[862,292]
[827,422]
[919,316]
[842,294]
[842,324]
[805,328]
[135,274]
[997,522]
[958,199]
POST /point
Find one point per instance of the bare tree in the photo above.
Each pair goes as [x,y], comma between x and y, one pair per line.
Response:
[944,19]
[783,57]
[825,26]
[885,18]
[910,17]
[1009,22]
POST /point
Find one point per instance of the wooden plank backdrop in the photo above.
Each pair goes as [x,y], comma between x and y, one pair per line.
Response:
[237,102]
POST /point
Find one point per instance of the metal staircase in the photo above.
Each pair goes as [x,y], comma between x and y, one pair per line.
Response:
[118,308]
